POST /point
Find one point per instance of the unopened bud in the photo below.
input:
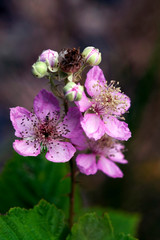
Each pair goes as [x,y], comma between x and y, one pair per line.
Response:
[92,56]
[39,69]
[50,57]
[73,92]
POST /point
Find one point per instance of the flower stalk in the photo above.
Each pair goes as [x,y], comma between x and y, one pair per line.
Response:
[72,180]
[72,193]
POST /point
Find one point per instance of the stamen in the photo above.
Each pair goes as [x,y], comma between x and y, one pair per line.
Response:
[109,99]
[98,146]
[44,131]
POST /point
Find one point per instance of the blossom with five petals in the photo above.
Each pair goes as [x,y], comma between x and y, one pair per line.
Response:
[104,109]
[45,129]
[99,155]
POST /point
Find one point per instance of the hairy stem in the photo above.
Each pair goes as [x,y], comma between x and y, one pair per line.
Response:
[72,171]
[72,193]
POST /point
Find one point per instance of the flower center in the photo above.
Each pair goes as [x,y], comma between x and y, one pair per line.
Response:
[43,131]
[48,130]
[109,101]
[97,147]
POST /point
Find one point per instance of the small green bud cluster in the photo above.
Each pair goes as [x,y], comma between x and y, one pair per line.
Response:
[47,62]
[66,68]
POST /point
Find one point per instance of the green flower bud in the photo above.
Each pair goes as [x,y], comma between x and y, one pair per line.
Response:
[39,69]
[92,56]
[73,92]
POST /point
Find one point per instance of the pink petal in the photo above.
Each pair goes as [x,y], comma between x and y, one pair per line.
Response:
[109,168]
[50,56]
[117,129]
[24,149]
[71,122]
[116,156]
[60,151]
[46,104]
[93,126]
[87,163]
[114,153]
[119,146]
[94,76]
[19,115]
[84,103]
[80,141]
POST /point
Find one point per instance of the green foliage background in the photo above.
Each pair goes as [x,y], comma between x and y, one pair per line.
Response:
[26,180]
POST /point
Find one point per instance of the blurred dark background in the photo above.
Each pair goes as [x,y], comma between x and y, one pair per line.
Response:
[127,32]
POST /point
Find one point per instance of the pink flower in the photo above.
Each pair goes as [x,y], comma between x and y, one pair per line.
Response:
[104,108]
[102,155]
[44,129]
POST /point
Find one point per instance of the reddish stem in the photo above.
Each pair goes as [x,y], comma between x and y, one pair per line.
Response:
[72,175]
[72,193]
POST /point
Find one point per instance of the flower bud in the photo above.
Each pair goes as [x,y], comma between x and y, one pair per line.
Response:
[92,56]
[39,69]
[50,58]
[73,92]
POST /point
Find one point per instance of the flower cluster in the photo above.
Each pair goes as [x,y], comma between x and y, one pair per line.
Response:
[93,127]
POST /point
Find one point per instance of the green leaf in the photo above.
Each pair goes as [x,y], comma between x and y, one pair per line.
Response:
[122,236]
[43,222]
[92,227]
[121,221]
[26,180]
[124,222]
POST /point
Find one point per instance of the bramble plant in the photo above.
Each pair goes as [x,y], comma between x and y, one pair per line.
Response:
[80,124]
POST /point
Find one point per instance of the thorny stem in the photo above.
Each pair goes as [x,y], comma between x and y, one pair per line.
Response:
[52,86]
[72,193]
[73,174]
